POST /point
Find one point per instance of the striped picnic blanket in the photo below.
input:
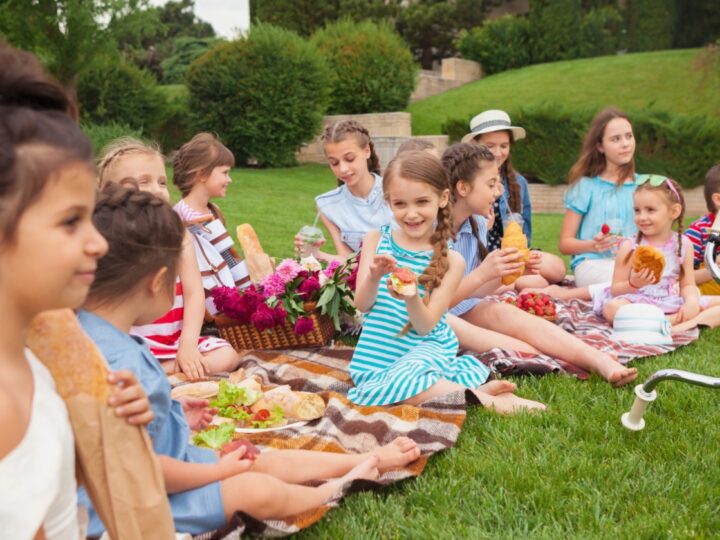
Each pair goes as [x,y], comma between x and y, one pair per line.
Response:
[576,317]
[345,428]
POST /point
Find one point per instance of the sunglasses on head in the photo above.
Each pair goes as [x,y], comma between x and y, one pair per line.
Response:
[655,180]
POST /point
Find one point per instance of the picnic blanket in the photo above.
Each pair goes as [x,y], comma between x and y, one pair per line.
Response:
[345,428]
[576,317]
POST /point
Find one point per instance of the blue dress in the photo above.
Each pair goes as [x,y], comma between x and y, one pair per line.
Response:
[194,511]
[388,368]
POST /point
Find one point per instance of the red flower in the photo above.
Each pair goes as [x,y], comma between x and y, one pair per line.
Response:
[304,325]
[263,318]
[279,314]
[308,287]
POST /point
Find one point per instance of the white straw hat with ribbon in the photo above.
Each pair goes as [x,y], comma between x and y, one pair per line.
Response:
[642,324]
[492,120]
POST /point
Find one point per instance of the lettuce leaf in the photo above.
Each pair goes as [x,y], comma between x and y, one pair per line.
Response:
[236,413]
[214,437]
[276,418]
[230,394]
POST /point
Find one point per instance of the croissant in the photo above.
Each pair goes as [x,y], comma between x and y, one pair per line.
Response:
[649,257]
[513,237]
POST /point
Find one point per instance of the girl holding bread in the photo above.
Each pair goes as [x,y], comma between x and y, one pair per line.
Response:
[174,338]
[473,176]
[407,352]
[135,284]
[50,250]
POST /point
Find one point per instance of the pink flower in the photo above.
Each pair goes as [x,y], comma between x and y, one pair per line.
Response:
[330,270]
[223,297]
[263,318]
[287,270]
[279,314]
[273,285]
[308,287]
[303,325]
[352,278]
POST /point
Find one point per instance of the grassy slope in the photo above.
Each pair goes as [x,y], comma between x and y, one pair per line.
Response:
[665,80]
[571,473]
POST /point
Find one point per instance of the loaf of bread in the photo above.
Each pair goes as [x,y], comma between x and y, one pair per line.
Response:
[649,257]
[202,389]
[258,262]
[71,357]
[300,405]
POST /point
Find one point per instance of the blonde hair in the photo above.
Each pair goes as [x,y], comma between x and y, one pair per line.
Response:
[198,157]
[419,166]
[115,150]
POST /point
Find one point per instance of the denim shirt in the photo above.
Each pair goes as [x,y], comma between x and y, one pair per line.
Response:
[525,204]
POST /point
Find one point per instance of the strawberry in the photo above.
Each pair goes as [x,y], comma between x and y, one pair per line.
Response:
[605,229]
[538,311]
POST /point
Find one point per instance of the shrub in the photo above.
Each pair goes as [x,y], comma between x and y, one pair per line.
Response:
[121,93]
[601,29]
[174,127]
[264,95]
[456,128]
[681,146]
[498,44]
[184,50]
[651,24]
[554,29]
[372,69]
[101,134]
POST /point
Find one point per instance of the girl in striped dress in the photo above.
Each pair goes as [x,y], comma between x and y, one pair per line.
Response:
[407,351]
[175,338]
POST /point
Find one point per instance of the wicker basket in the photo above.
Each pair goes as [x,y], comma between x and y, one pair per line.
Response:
[246,336]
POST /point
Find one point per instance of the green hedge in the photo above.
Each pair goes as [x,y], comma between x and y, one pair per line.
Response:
[264,95]
[681,146]
[101,134]
[498,44]
[650,24]
[372,68]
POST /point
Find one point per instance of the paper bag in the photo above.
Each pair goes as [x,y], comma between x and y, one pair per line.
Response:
[116,462]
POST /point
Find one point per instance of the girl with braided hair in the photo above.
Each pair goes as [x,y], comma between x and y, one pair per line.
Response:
[473,176]
[357,205]
[407,352]
[134,284]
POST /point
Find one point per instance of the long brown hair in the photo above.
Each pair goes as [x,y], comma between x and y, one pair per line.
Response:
[508,171]
[197,158]
[143,233]
[38,136]
[464,161]
[426,169]
[342,129]
[592,161]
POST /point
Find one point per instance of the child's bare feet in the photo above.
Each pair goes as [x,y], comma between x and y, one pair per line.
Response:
[615,373]
[398,453]
[508,403]
[365,470]
[497,386]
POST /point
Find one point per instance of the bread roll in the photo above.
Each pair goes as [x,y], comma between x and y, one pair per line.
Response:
[72,358]
[258,263]
[300,405]
[649,257]
[202,389]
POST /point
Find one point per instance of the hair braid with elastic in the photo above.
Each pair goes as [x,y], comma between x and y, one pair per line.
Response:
[342,129]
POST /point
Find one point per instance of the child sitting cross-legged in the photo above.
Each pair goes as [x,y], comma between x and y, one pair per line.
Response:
[134,284]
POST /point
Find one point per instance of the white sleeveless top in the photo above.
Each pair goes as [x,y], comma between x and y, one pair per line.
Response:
[37,478]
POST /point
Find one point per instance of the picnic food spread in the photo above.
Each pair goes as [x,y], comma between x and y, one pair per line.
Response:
[649,257]
[404,281]
[537,304]
[513,237]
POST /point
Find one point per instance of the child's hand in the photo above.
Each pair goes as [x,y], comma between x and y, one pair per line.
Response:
[129,398]
[532,265]
[234,463]
[382,264]
[197,412]
[640,279]
[300,244]
[604,242]
[190,361]
[500,262]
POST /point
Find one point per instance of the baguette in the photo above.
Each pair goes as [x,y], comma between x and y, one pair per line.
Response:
[202,389]
[300,405]
[258,262]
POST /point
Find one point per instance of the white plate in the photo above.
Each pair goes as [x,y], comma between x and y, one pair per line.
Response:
[276,428]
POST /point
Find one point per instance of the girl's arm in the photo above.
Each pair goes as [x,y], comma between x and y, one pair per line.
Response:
[569,244]
[189,358]
[425,318]
[688,289]
[343,250]
[497,264]
[369,275]
[625,280]
[182,476]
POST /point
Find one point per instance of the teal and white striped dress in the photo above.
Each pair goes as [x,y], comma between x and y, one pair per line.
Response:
[388,368]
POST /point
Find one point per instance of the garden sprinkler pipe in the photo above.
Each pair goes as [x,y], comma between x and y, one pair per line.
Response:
[645,393]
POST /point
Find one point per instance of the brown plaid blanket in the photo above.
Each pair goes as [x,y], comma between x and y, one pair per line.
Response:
[345,428]
[576,317]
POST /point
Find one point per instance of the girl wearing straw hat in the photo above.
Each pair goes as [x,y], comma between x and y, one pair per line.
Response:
[494,129]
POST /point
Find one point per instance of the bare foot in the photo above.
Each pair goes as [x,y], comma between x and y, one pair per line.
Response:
[562,293]
[398,453]
[365,470]
[497,386]
[707,318]
[508,403]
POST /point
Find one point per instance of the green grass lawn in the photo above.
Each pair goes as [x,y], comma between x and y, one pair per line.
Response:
[573,472]
[666,80]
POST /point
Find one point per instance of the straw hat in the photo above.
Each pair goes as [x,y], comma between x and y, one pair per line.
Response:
[643,324]
[492,120]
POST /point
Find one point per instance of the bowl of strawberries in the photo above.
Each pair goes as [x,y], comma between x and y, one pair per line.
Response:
[537,304]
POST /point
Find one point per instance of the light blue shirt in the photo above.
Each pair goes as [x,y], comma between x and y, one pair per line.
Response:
[354,216]
[467,245]
[599,201]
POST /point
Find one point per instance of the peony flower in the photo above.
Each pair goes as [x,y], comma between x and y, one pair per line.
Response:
[287,270]
[304,325]
[330,270]
[263,318]
[273,285]
[310,263]
[352,278]
[308,287]
[279,314]
[223,298]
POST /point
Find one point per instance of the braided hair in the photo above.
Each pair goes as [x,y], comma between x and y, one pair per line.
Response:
[144,234]
[464,161]
[113,152]
[38,135]
[342,129]
[426,169]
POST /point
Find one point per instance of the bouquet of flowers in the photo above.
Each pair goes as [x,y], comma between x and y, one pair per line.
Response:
[291,293]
